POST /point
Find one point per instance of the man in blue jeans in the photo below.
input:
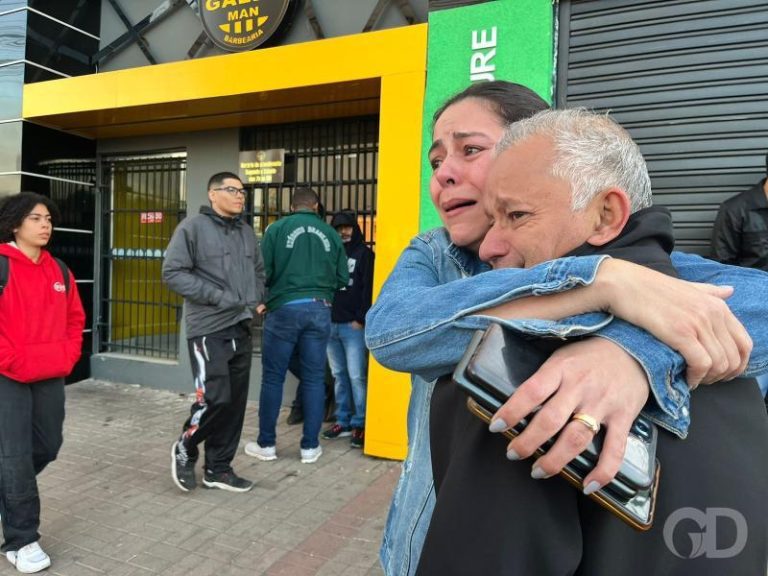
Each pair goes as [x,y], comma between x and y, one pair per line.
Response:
[347,353]
[305,264]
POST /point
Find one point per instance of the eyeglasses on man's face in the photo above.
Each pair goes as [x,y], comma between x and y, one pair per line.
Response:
[231,190]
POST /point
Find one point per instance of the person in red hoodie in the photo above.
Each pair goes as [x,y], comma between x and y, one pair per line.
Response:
[41,333]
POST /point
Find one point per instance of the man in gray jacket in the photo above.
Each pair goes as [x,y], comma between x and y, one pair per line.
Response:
[214,262]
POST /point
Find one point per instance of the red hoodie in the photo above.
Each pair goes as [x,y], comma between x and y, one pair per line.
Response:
[41,324]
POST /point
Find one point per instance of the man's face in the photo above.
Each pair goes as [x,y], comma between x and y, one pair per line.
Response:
[345,232]
[35,229]
[531,209]
[226,198]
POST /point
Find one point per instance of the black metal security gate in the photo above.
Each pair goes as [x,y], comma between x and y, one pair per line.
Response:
[144,201]
[337,158]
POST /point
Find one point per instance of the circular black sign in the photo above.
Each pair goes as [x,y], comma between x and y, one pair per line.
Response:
[240,25]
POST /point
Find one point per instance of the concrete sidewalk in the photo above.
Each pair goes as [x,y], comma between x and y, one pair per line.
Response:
[109,506]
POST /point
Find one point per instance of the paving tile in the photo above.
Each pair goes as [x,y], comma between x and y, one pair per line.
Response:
[335,568]
[110,507]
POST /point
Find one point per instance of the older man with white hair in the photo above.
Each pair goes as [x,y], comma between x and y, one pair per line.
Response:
[568,183]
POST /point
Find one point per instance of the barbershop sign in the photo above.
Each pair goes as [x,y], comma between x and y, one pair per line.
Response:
[240,25]
[262,166]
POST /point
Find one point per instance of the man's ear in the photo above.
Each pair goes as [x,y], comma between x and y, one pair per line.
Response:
[612,208]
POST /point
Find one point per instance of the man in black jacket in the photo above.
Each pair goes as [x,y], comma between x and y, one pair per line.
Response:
[213,260]
[347,354]
[740,235]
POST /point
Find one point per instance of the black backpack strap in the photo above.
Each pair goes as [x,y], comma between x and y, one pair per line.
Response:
[64,272]
[3,272]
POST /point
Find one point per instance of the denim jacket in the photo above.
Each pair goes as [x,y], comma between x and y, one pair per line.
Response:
[421,323]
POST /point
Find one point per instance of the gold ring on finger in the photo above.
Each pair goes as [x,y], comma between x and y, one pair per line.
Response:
[588,421]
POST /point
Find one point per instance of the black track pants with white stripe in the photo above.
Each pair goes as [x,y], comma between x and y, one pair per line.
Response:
[221,366]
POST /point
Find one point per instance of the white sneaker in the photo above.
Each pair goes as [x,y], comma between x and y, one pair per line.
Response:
[263,453]
[29,559]
[311,455]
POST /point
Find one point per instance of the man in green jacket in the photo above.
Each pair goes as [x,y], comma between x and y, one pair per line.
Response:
[305,263]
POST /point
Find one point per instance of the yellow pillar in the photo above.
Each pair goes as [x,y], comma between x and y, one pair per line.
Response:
[397,217]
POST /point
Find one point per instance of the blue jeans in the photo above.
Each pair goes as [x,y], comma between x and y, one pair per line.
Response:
[348,358]
[307,326]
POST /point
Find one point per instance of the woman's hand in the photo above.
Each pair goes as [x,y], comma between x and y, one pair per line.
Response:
[690,318]
[594,377]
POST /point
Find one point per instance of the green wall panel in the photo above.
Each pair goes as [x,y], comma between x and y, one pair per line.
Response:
[503,40]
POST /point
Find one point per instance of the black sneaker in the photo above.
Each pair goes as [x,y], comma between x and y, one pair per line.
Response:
[296,416]
[182,468]
[226,481]
[337,431]
[358,438]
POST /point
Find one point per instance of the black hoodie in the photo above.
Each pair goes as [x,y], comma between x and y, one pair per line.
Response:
[647,239]
[471,480]
[351,303]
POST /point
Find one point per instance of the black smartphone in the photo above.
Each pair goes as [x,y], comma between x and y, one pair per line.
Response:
[498,361]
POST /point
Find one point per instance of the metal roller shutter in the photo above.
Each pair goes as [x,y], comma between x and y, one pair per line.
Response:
[689,80]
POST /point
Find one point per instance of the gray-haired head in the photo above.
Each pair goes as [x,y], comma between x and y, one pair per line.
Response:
[592,153]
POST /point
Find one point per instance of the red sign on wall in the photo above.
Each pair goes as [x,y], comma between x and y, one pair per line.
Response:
[151,217]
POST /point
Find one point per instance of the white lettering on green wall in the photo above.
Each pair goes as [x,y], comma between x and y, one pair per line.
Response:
[483,52]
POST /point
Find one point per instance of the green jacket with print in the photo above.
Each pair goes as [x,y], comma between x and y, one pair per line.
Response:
[303,258]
